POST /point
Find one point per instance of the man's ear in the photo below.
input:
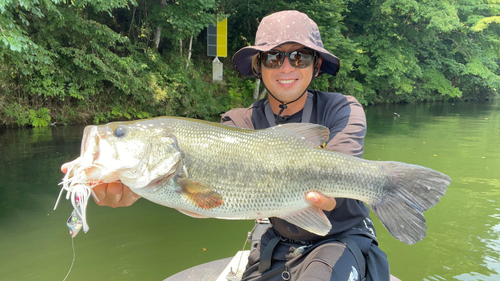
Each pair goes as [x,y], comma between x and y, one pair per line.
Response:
[318,65]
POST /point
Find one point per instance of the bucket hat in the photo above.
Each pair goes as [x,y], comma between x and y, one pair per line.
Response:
[281,28]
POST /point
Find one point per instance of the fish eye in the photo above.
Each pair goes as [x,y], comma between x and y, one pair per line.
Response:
[120,132]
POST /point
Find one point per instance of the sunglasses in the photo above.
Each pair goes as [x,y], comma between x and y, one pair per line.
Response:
[300,58]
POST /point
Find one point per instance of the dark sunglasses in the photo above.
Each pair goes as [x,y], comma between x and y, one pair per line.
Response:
[300,58]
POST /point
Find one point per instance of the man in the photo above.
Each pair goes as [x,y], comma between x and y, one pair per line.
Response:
[288,54]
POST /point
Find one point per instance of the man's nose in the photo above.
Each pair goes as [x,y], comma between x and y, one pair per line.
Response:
[286,67]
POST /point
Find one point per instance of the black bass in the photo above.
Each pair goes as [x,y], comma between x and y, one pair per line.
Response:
[214,170]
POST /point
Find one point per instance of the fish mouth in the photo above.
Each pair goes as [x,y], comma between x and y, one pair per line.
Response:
[85,170]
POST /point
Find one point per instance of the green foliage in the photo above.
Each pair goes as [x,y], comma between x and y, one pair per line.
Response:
[418,50]
[59,53]
[22,116]
[39,118]
[99,61]
[240,92]
[117,112]
[434,80]
[485,23]
[186,92]
[182,18]
[15,113]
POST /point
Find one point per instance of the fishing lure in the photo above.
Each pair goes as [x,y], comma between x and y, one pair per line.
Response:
[75,221]
[78,192]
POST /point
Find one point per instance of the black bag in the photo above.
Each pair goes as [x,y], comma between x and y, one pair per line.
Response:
[372,262]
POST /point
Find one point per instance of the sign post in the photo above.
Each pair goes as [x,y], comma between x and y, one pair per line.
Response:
[217,70]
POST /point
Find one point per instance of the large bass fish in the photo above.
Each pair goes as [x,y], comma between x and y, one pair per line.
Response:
[219,171]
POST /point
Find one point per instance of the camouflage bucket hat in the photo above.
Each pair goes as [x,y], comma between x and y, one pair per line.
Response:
[281,28]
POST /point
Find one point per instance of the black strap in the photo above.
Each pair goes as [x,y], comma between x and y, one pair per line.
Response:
[267,254]
[358,255]
[306,113]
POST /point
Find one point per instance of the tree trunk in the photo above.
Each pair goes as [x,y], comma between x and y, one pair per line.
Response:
[131,22]
[190,47]
[157,36]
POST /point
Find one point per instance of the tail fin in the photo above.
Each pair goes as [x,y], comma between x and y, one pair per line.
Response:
[411,190]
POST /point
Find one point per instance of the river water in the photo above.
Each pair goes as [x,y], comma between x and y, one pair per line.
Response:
[150,242]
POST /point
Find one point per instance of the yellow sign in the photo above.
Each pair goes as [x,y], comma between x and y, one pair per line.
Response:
[222,38]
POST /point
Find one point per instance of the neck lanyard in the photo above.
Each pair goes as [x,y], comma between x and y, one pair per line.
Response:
[306,113]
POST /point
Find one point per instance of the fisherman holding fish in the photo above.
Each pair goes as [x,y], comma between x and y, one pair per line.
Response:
[288,55]
[295,157]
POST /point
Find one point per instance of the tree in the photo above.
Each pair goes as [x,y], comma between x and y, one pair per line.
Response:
[421,50]
[105,60]
[78,60]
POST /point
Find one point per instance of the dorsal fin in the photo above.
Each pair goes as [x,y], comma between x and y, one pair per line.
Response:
[314,134]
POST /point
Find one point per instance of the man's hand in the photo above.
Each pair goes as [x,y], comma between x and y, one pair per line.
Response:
[114,194]
[111,194]
[321,201]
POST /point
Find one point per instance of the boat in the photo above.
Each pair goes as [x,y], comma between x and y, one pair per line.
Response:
[230,268]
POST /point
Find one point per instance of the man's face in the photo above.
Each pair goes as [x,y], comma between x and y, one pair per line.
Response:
[287,83]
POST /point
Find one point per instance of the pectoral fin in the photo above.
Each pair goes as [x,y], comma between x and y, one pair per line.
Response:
[200,194]
[311,219]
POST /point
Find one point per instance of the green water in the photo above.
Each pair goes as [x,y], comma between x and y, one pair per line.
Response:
[151,242]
